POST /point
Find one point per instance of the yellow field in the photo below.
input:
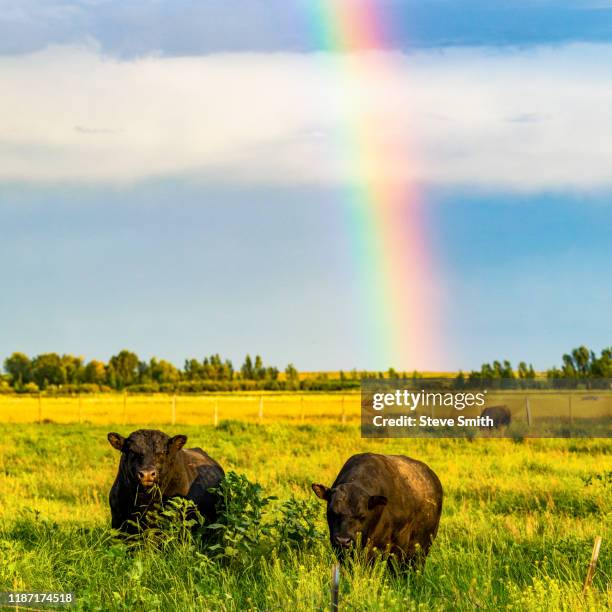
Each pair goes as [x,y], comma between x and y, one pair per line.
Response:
[267,407]
[191,409]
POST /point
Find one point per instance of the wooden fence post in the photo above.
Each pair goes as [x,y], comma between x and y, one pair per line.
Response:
[174,409]
[335,587]
[343,412]
[216,412]
[592,564]
[528,410]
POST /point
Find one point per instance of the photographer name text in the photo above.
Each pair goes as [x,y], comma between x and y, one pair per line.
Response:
[429,421]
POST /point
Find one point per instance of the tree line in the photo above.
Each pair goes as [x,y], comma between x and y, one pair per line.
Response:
[51,372]
[581,366]
[125,371]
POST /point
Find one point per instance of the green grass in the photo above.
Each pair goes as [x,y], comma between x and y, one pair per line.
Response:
[516,533]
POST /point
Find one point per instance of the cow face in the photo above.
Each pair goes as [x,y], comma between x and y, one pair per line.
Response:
[351,513]
[147,454]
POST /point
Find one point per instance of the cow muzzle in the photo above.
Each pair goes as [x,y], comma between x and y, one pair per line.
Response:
[147,477]
[342,542]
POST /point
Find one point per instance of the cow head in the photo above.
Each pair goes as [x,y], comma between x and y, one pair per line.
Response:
[351,511]
[147,454]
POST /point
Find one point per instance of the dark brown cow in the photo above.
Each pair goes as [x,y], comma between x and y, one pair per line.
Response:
[392,501]
[154,465]
[500,415]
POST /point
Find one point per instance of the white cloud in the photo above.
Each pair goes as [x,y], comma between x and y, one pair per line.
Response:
[525,120]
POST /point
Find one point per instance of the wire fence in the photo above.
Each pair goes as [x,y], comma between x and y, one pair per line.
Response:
[187,409]
[296,408]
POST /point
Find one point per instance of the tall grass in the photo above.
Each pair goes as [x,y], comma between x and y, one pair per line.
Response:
[517,527]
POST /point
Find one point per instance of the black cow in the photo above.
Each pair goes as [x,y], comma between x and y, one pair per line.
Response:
[500,415]
[392,501]
[154,465]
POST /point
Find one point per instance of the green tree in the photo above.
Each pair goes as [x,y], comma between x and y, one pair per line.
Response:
[246,370]
[487,371]
[192,370]
[259,372]
[227,370]
[271,373]
[568,368]
[123,369]
[94,373]
[74,369]
[163,371]
[582,361]
[601,367]
[498,370]
[19,367]
[48,369]
[507,371]
[144,373]
[291,373]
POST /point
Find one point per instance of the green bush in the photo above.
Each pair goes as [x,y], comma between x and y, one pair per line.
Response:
[88,388]
[239,531]
[72,389]
[29,388]
[246,529]
[294,525]
[173,520]
[143,388]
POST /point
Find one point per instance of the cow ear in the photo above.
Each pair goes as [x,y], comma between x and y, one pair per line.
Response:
[321,491]
[376,500]
[177,442]
[116,441]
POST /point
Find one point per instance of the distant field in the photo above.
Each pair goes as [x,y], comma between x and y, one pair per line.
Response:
[516,533]
[334,374]
[313,407]
[193,409]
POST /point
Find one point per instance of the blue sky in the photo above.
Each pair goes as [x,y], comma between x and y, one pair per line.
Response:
[186,27]
[168,183]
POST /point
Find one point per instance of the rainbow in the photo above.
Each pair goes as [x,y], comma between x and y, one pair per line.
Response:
[394,265]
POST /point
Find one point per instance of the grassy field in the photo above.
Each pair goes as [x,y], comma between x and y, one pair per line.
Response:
[161,408]
[517,527]
[267,408]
